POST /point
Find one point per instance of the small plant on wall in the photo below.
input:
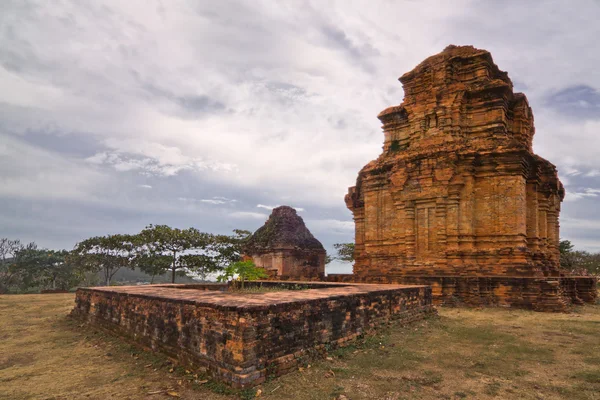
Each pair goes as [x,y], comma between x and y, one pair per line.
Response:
[242,271]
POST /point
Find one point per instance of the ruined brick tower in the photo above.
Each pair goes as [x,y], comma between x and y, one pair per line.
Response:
[458,199]
[285,247]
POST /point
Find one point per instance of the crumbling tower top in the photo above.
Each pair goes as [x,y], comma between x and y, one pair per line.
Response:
[443,89]
[285,247]
[284,229]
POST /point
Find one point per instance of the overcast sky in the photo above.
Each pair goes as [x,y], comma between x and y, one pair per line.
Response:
[118,114]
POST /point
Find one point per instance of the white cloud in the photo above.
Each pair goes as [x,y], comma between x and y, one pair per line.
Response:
[569,170]
[160,164]
[593,173]
[145,186]
[224,199]
[299,209]
[587,192]
[217,200]
[213,201]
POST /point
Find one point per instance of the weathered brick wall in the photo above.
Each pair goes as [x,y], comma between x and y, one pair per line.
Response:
[243,342]
[286,333]
[291,263]
[199,335]
[545,294]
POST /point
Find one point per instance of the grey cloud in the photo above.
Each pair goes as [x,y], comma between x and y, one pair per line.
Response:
[337,38]
[199,104]
[17,54]
[580,101]
[188,105]
[69,144]
[285,87]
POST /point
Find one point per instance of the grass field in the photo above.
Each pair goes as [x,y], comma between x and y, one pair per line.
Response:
[463,354]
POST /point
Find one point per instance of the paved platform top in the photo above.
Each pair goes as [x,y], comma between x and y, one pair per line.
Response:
[236,300]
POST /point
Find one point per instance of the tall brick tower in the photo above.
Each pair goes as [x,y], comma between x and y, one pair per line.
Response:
[458,199]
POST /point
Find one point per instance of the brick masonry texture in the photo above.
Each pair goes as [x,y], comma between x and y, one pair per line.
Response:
[244,338]
[285,247]
[458,199]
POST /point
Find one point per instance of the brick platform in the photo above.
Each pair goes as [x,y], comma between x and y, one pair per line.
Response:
[244,338]
[539,294]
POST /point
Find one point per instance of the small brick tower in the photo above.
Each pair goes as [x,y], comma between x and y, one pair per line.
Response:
[285,247]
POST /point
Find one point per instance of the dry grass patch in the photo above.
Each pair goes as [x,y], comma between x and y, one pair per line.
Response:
[45,355]
[463,354]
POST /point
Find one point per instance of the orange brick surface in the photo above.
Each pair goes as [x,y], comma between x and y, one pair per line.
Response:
[458,192]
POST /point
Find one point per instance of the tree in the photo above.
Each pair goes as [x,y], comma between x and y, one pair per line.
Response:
[223,250]
[46,269]
[345,252]
[106,254]
[29,267]
[56,272]
[328,258]
[7,251]
[201,264]
[15,272]
[149,257]
[26,268]
[581,262]
[565,248]
[242,271]
[8,248]
[162,240]
[578,262]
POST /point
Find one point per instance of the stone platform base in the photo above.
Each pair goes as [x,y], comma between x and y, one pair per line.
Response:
[243,338]
[539,294]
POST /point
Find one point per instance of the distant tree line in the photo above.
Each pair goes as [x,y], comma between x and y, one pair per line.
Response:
[24,265]
[578,262]
[159,249]
[155,250]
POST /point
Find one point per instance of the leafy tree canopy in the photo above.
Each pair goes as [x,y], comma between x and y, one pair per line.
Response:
[106,254]
[15,272]
[159,243]
[344,252]
[242,271]
[578,262]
